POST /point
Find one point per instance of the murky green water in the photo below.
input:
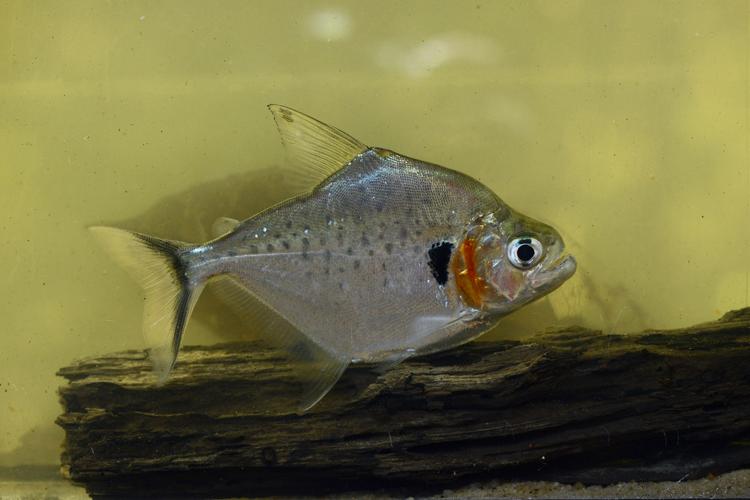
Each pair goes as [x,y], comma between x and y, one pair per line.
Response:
[625,124]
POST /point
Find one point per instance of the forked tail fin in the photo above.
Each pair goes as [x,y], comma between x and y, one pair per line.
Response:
[170,296]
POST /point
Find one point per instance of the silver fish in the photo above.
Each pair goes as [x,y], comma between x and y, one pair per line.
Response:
[387,257]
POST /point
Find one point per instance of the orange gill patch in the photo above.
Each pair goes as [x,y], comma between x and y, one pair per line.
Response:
[471,287]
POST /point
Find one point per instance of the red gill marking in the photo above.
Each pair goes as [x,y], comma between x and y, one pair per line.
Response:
[470,286]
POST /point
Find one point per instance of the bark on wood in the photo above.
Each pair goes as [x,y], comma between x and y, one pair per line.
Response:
[570,406]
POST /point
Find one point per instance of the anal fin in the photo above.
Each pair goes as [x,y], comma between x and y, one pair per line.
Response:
[318,369]
[393,360]
[328,370]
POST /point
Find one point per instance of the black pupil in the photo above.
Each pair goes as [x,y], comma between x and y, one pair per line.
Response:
[525,253]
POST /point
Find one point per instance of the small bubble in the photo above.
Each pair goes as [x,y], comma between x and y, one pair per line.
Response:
[265,230]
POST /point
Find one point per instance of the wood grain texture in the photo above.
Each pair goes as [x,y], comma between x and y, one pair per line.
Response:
[571,406]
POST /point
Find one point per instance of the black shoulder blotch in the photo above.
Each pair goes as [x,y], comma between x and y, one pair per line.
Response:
[440,257]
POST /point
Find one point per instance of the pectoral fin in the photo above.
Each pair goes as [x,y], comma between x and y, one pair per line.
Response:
[392,361]
[424,326]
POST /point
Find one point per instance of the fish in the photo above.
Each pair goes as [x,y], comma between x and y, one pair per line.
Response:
[381,257]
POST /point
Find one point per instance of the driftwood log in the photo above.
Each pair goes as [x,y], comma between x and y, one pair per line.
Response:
[570,406]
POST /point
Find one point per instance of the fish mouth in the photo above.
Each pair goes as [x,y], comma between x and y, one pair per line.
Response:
[555,275]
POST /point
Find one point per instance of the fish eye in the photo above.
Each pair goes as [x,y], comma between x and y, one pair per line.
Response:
[525,252]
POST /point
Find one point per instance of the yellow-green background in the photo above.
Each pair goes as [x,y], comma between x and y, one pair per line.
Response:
[625,124]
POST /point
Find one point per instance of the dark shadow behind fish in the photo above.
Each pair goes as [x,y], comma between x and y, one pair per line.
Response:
[189,215]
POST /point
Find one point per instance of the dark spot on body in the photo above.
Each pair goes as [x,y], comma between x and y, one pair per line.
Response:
[349,251]
[327,271]
[371,252]
[269,248]
[365,240]
[253,249]
[388,248]
[322,241]
[277,236]
[305,247]
[385,282]
[403,233]
[340,239]
[341,286]
[288,224]
[356,264]
[417,222]
[382,264]
[341,269]
[231,253]
[418,232]
[440,256]
[285,244]
[328,255]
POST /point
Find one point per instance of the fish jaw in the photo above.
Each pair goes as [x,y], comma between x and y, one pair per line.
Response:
[549,279]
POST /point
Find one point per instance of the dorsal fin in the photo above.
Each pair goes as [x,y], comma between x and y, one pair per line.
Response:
[315,149]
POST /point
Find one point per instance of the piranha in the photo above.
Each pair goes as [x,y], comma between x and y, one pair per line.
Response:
[385,258]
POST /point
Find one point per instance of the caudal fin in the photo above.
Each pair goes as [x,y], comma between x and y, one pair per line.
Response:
[156,265]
